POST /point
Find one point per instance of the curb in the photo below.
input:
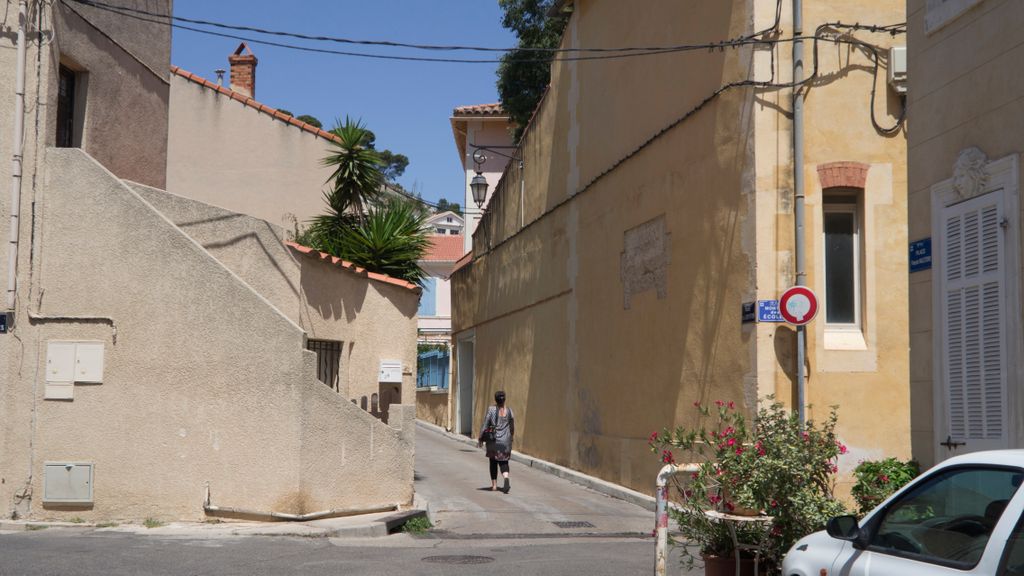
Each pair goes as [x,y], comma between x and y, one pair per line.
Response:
[595,484]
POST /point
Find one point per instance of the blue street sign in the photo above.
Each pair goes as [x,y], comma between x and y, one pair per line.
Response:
[920,255]
[768,311]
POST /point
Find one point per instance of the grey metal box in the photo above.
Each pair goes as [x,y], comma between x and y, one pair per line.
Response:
[68,482]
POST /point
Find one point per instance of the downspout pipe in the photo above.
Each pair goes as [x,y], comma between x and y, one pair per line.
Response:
[17,157]
[209,508]
[661,513]
[798,200]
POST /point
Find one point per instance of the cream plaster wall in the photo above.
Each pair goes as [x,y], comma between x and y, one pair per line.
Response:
[374,321]
[964,91]
[227,154]
[432,407]
[205,381]
[590,379]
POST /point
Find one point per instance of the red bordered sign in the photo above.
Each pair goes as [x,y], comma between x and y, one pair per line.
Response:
[798,305]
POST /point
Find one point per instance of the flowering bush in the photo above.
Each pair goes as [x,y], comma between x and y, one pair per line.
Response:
[774,467]
[878,479]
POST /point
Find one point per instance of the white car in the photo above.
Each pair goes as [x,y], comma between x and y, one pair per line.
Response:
[964,516]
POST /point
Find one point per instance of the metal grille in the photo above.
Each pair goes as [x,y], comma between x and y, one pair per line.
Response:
[458,559]
[328,360]
[573,524]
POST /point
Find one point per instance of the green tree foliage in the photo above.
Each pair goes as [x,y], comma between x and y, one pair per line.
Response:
[444,205]
[390,240]
[283,111]
[522,79]
[379,232]
[357,178]
[311,120]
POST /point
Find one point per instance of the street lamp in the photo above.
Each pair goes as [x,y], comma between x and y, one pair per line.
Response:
[478,185]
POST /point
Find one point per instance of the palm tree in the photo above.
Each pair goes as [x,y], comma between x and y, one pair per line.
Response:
[391,239]
[357,178]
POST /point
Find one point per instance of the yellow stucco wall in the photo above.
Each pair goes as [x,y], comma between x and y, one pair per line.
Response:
[590,377]
[965,91]
[432,406]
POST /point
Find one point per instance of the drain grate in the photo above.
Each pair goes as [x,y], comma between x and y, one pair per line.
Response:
[455,559]
[573,524]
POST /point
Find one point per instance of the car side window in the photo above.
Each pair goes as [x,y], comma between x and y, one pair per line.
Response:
[948,518]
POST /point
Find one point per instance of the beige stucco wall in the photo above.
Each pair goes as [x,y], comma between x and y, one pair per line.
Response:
[374,320]
[432,406]
[123,69]
[964,91]
[205,381]
[225,153]
[544,304]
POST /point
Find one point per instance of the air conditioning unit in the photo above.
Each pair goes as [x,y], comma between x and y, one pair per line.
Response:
[898,69]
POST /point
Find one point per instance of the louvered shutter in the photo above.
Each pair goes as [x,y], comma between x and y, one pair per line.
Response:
[973,278]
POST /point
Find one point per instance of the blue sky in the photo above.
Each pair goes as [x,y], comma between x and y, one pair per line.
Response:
[407,104]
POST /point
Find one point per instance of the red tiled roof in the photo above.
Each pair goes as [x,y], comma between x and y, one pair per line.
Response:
[480,110]
[351,267]
[252,103]
[463,262]
[444,248]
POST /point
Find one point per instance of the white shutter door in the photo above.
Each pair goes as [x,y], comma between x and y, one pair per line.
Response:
[974,327]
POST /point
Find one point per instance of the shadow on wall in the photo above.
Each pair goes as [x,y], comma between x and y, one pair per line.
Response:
[330,295]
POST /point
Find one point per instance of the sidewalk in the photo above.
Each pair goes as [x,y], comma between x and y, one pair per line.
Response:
[596,484]
[364,526]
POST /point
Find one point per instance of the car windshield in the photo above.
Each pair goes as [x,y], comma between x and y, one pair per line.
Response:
[948,518]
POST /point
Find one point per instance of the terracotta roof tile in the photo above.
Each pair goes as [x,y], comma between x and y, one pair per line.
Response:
[463,262]
[359,271]
[480,110]
[250,102]
[444,248]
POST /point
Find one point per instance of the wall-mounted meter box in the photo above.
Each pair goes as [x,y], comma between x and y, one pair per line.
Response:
[898,69]
[67,482]
[391,371]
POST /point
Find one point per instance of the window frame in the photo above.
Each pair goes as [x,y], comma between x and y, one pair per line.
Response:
[845,203]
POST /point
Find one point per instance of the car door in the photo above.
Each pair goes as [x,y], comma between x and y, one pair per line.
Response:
[943,525]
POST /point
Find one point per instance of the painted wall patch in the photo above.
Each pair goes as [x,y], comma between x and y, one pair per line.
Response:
[645,260]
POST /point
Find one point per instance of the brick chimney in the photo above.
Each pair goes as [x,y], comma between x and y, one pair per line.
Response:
[243,70]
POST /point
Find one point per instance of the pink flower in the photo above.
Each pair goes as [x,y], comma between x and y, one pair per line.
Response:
[666,457]
[696,403]
[730,442]
[883,478]
[714,499]
[739,450]
[842,449]
[775,503]
[719,403]
[653,437]
[688,494]
[729,506]
[732,405]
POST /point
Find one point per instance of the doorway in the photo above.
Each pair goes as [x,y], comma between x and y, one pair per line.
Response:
[464,401]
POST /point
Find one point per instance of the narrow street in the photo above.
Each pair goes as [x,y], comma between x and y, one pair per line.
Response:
[477,532]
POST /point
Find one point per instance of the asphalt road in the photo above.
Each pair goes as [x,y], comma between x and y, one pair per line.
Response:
[478,532]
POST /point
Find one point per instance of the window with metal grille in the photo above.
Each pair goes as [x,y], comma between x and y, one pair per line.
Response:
[328,360]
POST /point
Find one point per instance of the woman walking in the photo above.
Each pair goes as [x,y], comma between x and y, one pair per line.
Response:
[498,430]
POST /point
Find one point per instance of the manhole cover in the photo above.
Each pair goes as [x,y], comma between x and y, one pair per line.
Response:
[571,524]
[459,559]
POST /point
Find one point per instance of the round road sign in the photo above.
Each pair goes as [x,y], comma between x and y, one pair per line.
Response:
[798,305]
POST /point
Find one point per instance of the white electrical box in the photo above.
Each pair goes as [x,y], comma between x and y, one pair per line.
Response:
[67,482]
[898,69]
[89,362]
[68,362]
[60,361]
[391,371]
[59,391]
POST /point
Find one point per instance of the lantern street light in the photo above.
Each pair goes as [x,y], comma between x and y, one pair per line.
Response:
[478,185]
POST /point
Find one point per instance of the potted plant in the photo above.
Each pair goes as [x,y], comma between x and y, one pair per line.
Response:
[878,479]
[774,466]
